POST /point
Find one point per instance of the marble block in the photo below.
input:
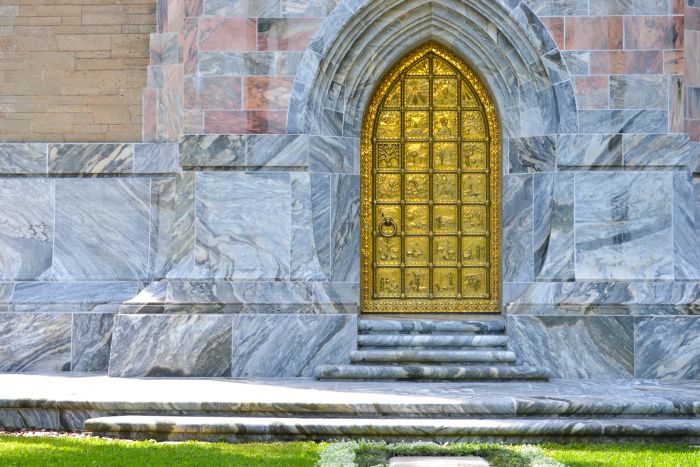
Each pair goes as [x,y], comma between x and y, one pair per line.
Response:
[26,228]
[156,158]
[290,345]
[576,152]
[517,247]
[623,226]
[212,151]
[23,158]
[554,226]
[171,345]
[276,151]
[91,159]
[667,347]
[102,229]
[345,228]
[575,347]
[92,337]
[243,225]
[686,228]
[35,342]
[532,154]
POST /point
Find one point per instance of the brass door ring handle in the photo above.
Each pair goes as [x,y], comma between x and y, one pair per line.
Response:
[388,228]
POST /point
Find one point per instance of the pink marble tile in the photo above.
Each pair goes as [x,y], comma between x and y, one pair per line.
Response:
[692,58]
[620,62]
[221,93]
[674,62]
[267,92]
[286,34]
[193,8]
[592,92]
[692,103]
[245,122]
[692,18]
[555,25]
[653,32]
[677,7]
[227,34]
[148,100]
[593,33]
[171,20]
[692,127]
[190,45]
[191,92]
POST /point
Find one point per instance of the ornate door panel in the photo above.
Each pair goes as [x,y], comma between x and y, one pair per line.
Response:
[431,190]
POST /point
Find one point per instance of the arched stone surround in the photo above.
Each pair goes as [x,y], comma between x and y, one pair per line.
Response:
[506,44]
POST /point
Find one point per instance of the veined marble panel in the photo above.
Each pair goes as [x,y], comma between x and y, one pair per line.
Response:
[578,62]
[212,151]
[686,228]
[160,158]
[554,226]
[306,262]
[667,347]
[589,152]
[345,228]
[243,225]
[23,158]
[575,347]
[639,92]
[627,293]
[92,336]
[333,154]
[74,292]
[35,342]
[91,158]
[623,226]
[321,218]
[623,121]
[102,229]
[559,7]
[518,265]
[532,154]
[46,419]
[290,345]
[280,151]
[171,345]
[518,293]
[26,228]
[171,252]
[656,151]
[249,63]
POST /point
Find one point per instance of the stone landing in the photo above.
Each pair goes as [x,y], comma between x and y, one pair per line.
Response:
[301,408]
[431,349]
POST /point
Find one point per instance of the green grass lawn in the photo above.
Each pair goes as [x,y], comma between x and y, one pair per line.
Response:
[67,451]
[628,455]
[45,451]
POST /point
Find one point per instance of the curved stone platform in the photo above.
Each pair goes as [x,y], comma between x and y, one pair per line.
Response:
[61,401]
[443,430]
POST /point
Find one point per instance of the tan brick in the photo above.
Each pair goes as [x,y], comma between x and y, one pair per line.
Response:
[93,54]
[7,44]
[103,14]
[58,10]
[110,115]
[130,45]
[83,42]
[9,10]
[99,64]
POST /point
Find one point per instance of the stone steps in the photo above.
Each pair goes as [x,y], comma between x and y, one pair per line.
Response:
[432,356]
[424,341]
[430,326]
[179,428]
[430,372]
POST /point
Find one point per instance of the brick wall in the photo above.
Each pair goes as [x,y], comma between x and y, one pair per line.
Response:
[73,70]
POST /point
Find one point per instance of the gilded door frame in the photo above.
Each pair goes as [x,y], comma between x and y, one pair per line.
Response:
[491,304]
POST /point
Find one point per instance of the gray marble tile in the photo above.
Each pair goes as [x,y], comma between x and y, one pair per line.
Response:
[35,342]
[173,345]
[345,228]
[226,8]
[160,158]
[628,7]
[92,337]
[639,92]
[527,293]
[243,225]
[556,67]
[554,226]
[264,8]
[667,347]
[577,152]
[7,289]
[333,154]
[23,158]
[267,151]
[91,158]
[51,292]
[577,62]
[249,63]
[559,7]
[290,345]
[321,218]
[611,293]
[308,8]
[212,151]
[566,108]
[575,347]
[518,265]
[686,227]
[26,419]
[171,252]
[656,151]
[26,228]
[623,121]
[102,229]
[532,154]
[305,261]
[623,226]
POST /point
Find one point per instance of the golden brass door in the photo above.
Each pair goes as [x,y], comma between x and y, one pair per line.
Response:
[431,189]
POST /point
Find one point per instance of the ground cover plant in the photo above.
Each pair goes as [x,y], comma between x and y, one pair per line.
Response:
[627,455]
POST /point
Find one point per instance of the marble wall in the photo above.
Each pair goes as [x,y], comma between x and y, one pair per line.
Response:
[190,254]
